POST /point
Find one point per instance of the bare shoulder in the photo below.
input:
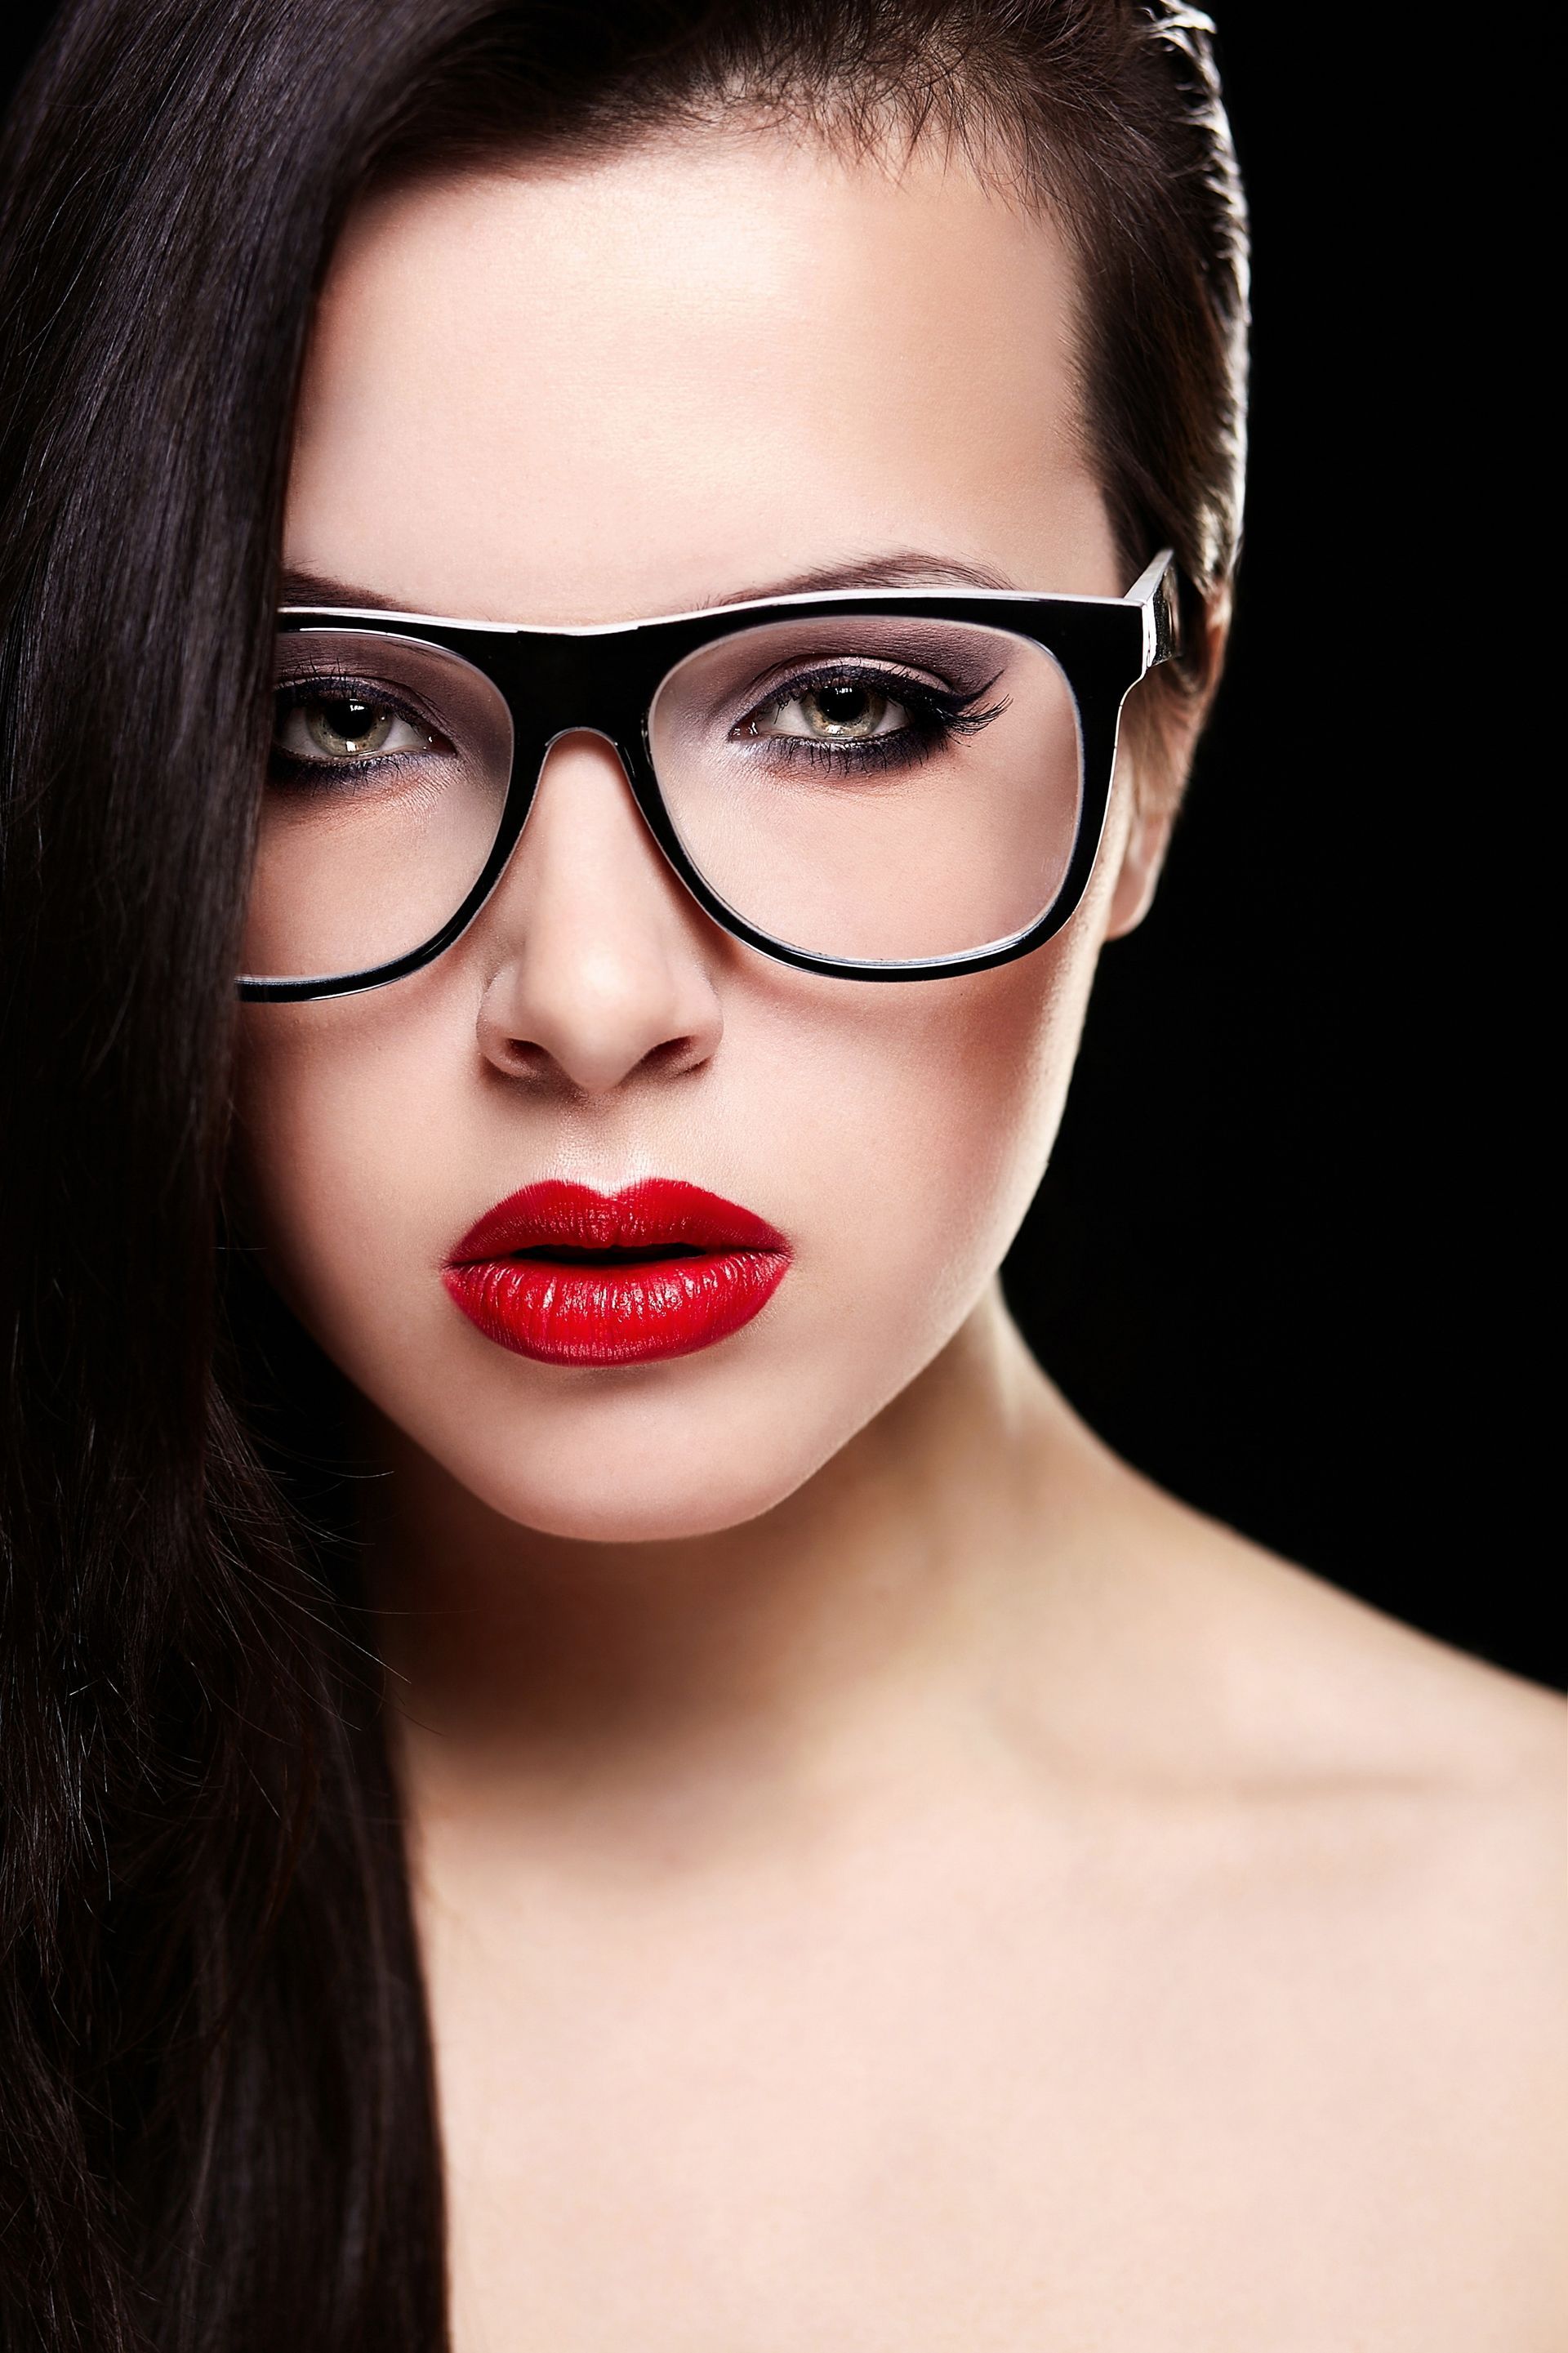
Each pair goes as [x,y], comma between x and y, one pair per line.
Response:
[1322,1683]
[1428,1784]
[1341,1844]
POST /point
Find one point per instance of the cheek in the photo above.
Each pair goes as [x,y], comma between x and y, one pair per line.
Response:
[933,1120]
[349,1148]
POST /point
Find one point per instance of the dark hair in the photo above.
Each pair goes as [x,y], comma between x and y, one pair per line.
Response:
[218,2127]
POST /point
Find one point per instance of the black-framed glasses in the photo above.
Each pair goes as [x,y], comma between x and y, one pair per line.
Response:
[889,786]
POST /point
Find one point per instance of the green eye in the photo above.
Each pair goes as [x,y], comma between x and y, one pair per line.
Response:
[846,712]
[345,726]
[341,727]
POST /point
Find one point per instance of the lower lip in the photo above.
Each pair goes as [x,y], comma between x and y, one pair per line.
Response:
[606,1314]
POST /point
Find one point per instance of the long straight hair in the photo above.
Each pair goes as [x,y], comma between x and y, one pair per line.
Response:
[217,2121]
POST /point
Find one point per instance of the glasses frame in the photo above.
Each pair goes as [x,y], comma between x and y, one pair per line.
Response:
[602,679]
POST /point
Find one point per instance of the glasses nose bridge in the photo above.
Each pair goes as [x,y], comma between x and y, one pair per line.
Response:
[544,741]
[560,683]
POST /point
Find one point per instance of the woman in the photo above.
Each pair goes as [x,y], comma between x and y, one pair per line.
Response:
[595,1756]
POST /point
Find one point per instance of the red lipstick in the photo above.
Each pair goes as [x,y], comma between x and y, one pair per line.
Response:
[570,1276]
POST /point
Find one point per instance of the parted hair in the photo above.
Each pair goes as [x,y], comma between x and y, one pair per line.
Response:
[218,2126]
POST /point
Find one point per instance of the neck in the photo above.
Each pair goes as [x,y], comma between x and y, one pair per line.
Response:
[880,1596]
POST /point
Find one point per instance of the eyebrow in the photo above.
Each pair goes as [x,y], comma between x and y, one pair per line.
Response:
[315,589]
[909,568]
[904,568]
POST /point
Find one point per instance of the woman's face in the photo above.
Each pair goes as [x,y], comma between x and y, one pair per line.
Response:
[587,393]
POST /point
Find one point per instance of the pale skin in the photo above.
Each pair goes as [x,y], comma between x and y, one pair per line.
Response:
[888,1877]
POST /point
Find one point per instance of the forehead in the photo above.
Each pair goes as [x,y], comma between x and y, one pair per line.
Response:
[584,392]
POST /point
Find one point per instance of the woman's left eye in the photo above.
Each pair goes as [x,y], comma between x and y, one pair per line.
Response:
[851,711]
[343,726]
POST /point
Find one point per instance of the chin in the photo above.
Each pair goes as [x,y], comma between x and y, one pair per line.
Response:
[666,1489]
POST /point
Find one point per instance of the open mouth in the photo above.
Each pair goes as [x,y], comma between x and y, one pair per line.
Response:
[570,1276]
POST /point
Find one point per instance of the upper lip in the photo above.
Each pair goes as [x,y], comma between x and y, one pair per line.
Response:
[657,1212]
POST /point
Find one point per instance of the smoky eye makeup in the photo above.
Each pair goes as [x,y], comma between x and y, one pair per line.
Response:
[328,727]
[856,716]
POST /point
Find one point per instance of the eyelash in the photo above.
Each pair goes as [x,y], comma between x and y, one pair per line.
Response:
[289,768]
[936,717]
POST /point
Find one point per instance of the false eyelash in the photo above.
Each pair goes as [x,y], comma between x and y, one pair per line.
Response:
[913,693]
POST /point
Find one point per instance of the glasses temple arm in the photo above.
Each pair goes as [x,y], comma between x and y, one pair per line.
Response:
[1156,590]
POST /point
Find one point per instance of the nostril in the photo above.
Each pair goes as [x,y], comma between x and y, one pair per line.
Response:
[525,1059]
[671,1056]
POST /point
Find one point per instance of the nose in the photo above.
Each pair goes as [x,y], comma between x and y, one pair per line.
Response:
[597,961]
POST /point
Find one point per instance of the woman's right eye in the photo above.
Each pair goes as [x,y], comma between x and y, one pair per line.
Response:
[336,727]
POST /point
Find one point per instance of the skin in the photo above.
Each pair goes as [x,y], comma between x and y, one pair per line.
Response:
[887,1876]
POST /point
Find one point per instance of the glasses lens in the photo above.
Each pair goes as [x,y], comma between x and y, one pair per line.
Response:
[390,763]
[886,787]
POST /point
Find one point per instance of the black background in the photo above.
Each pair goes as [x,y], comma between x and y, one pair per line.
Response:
[1278,1258]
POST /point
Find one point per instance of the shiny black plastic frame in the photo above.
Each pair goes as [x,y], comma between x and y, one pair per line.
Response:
[604,679]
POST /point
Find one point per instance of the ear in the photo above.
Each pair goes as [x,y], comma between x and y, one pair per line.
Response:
[1170,750]
[1143,856]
